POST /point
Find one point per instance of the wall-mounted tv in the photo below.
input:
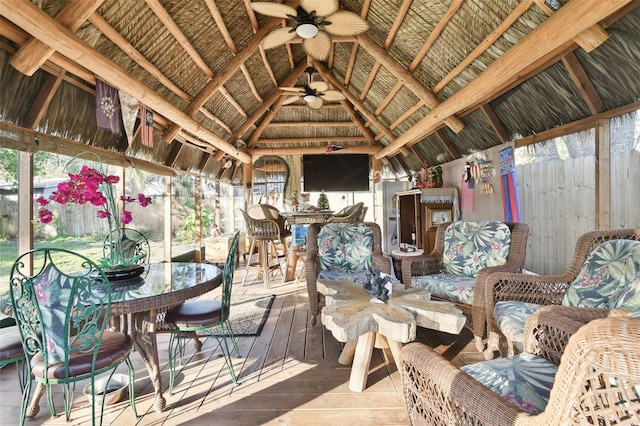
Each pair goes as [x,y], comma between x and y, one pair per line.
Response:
[335,172]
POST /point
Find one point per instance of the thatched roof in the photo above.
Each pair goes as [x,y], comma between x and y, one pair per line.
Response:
[429,82]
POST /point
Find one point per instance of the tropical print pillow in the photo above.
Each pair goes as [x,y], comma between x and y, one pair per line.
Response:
[524,380]
[472,246]
[602,280]
[629,295]
[345,246]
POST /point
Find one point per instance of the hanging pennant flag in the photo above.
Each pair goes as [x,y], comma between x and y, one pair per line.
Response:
[508,184]
[333,148]
[129,106]
[107,107]
[146,126]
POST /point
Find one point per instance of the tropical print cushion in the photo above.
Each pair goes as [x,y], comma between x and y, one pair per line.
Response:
[472,246]
[524,380]
[510,317]
[358,277]
[629,295]
[458,288]
[52,289]
[345,246]
[603,277]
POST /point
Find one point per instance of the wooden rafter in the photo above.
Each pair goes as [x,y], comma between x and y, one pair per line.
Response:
[446,143]
[407,79]
[519,10]
[556,32]
[358,122]
[113,35]
[583,83]
[217,17]
[495,123]
[372,76]
[42,101]
[42,26]
[312,123]
[349,149]
[297,140]
[34,53]
[222,77]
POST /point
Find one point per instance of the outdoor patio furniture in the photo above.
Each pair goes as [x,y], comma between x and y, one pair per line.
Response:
[263,234]
[341,250]
[604,273]
[62,311]
[11,351]
[192,316]
[465,254]
[570,374]
[348,214]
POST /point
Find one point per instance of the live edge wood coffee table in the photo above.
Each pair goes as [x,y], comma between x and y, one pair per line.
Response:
[353,319]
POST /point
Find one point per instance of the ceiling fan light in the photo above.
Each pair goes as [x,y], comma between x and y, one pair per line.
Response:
[309,98]
[307,30]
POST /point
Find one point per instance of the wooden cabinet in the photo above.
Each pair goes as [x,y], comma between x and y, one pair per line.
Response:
[409,216]
[425,209]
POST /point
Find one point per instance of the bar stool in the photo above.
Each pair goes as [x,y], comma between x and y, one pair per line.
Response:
[263,234]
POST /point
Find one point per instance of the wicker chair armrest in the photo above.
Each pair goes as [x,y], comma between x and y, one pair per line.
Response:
[425,264]
[437,392]
[381,262]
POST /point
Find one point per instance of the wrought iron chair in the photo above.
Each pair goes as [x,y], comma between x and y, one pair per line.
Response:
[198,315]
[62,311]
[134,243]
[11,351]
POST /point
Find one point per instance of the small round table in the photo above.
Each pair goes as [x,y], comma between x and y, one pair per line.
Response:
[398,256]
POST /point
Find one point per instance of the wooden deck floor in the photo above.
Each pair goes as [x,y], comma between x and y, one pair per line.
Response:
[289,375]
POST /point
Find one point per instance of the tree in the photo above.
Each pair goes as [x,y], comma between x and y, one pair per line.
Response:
[323,202]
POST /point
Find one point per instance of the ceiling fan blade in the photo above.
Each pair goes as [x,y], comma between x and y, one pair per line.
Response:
[292,89]
[291,99]
[317,104]
[319,86]
[333,95]
[273,9]
[323,8]
[277,38]
[345,23]
[318,47]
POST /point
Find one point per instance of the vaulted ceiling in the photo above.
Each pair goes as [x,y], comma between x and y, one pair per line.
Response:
[429,82]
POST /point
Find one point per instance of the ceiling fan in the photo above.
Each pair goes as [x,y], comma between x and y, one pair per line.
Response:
[315,22]
[314,93]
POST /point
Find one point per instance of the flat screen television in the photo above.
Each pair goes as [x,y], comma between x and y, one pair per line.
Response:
[335,172]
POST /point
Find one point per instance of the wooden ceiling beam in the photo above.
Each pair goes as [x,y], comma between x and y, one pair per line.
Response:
[370,79]
[493,36]
[34,53]
[264,107]
[397,23]
[407,79]
[223,76]
[583,83]
[496,124]
[358,122]
[320,139]
[351,64]
[354,149]
[42,101]
[588,39]
[561,27]
[109,32]
[312,123]
[446,143]
[329,77]
[40,25]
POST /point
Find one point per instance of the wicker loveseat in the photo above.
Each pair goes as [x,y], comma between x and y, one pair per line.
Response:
[571,374]
[341,250]
[465,253]
[604,273]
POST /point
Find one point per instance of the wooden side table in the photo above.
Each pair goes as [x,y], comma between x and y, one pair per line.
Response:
[353,318]
[398,256]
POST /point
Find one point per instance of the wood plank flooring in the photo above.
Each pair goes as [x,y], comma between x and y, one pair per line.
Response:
[289,375]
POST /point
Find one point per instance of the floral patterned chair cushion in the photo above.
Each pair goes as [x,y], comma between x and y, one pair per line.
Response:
[468,248]
[345,251]
[609,278]
[472,246]
[524,380]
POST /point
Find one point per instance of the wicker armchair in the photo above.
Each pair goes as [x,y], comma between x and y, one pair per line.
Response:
[597,378]
[316,264]
[432,263]
[519,295]
[348,214]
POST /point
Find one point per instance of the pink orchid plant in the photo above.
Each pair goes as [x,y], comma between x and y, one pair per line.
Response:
[89,186]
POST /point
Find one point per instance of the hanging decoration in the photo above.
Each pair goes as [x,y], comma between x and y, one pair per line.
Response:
[333,148]
[482,173]
[508,184]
